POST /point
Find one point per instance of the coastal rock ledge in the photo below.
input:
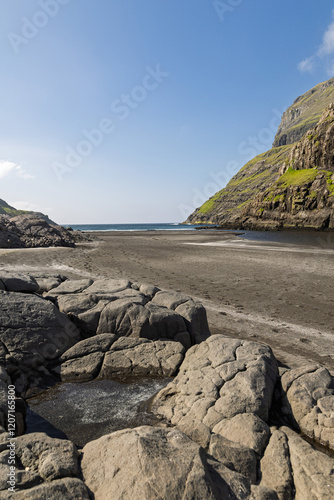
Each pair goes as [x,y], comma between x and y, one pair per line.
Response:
[229,422]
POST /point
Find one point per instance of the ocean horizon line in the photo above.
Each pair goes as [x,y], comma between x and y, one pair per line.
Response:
[149,226]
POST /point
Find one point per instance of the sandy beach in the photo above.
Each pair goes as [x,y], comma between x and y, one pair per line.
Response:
[277,293]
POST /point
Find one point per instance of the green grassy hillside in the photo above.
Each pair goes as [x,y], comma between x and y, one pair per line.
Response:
[253,178]
[8,210]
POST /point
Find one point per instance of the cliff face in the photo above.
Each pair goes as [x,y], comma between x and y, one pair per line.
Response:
[290,185]
[304,113]
[303,196]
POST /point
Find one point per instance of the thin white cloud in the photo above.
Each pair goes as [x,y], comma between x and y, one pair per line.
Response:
[8,167]
[327,46]
[306,65]
[324,54]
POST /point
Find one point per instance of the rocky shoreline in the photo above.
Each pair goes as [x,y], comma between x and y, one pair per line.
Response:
[230,419]
[31,231]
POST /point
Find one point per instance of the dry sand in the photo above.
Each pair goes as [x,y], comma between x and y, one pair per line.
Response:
[280,294]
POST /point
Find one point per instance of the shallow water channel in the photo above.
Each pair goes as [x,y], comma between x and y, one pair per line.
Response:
[86,411]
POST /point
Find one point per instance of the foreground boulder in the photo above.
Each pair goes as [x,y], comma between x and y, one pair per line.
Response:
[275,466]
[32,333]
[308,402]
[152,463]
[313,471]
[220,379]
[108,356]
[39,459]
[131,310]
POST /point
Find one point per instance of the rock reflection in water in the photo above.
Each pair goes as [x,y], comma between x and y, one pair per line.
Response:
[87,411]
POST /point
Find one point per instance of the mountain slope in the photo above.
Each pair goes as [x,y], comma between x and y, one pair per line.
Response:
[6,209]
[244,196]
[254,177]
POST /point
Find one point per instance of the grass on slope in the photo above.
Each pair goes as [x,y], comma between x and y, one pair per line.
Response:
[297,177]
[255,176]
[6,209]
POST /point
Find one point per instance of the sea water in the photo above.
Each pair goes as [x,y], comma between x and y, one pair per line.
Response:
[86,411]
[133,227]
[319,239]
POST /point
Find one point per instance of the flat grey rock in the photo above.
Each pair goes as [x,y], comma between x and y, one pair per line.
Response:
[71,286]
[108,285]
[47,283]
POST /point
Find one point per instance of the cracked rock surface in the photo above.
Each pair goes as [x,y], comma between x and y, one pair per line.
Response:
[308,402]
[107,356]
[214,440]
[124,308]
[219,379]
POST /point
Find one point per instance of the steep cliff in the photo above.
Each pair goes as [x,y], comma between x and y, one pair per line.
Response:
[303,196]
[290,185]
[304,113]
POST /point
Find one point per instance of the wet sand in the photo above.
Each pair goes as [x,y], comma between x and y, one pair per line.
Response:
[277,293]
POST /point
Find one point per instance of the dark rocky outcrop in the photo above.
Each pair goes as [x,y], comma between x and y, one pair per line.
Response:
[25,231]
[214,437]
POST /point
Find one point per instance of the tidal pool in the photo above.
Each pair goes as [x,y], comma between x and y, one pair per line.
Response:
[86,411]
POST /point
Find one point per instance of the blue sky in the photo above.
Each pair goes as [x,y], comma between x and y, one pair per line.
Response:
[116,111]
